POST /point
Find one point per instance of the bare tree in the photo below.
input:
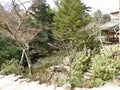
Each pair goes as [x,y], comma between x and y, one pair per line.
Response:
[21,37]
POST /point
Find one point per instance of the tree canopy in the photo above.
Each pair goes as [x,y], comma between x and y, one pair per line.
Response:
[101,18]
[71,17]
[41,12]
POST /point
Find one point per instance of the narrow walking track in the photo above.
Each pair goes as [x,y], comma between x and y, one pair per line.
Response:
[12,82]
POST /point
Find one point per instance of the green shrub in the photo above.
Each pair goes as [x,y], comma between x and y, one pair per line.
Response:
[79,67]
[10,67]
[93,83]
[105,68]
[8,50]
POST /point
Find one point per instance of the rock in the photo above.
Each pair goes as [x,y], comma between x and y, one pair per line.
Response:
[66,87]
[67,60]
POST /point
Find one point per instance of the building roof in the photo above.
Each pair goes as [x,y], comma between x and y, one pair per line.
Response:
[113,17]
[112,25]
[115,12]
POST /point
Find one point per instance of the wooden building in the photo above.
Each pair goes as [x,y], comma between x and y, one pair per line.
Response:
[110,32]
[110,29]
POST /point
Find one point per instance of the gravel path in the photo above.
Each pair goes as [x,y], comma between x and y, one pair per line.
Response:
[12,82]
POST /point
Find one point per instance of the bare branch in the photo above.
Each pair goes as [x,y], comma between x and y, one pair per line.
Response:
[23,4]
[13,1]
[26,10]
[5,25]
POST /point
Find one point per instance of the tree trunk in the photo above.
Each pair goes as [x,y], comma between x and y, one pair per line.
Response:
[21,45]
[21,67]
[29,63]
[26,53]
[5,25]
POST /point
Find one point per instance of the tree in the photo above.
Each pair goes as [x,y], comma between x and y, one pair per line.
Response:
[12,33]
[71,17]
[105,18]
[100,18]
[43,17]
[69,20]
[42,13]
[97,17]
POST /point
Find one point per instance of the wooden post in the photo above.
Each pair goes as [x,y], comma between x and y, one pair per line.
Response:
[119,26]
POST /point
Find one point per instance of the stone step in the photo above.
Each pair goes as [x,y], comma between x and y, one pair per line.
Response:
[88,74]
[87,77]
[90,70]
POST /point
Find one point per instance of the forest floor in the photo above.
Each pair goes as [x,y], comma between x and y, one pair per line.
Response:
[12,82]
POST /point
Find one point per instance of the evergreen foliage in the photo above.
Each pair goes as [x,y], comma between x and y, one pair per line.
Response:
[69,20]
[31,23]
[8,50]
[41,17]
[10,67]
[80,66]
[42,13]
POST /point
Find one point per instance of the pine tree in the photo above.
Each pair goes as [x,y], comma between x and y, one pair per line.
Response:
[70,18]
[42,17]
[42,13]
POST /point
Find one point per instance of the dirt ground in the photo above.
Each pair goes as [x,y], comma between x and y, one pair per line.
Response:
[12,82]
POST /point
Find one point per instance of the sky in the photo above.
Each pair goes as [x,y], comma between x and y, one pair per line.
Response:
[106,6]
